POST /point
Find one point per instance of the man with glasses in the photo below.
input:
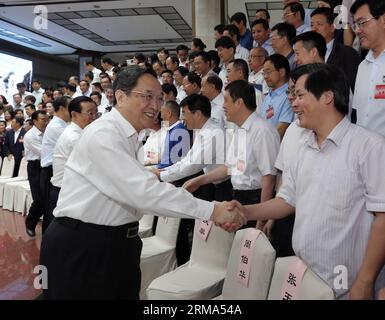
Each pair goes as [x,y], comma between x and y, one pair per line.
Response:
[276,107]
[369,94]
[256,59]
[82,111]
[294,14]
[92,248]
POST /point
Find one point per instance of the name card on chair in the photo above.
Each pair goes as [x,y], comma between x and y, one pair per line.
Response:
[204,229]
[293,279]
[246,256]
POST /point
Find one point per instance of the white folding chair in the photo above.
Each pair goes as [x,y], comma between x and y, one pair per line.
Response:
[158,253]
[10,190]
[312,286]
[22,176]
[145,226]
[261,270]
[201,277]
[21,192]
[7,167]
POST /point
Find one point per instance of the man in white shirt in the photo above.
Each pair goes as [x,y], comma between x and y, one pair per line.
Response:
[32,147]
[369,95]
[336,185]
[82,112]
[250,161]
[52,133]
[37,91]
[98,207]
[84,89]
[94,70]
[108,66]
[22,88]
[256,78]
[179,74]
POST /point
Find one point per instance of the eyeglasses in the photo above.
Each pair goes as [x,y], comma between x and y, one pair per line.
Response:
[267,72]
[288,14]
[361,23]
[148,97]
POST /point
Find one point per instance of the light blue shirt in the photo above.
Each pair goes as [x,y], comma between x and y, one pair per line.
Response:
[276,107]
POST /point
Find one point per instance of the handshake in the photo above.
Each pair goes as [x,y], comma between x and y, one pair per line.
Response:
[230,216]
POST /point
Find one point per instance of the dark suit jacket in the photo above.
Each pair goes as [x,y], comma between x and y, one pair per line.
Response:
[347,59]
[16,149]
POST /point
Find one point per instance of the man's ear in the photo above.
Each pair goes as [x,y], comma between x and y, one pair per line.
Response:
[327,97]
[119,95]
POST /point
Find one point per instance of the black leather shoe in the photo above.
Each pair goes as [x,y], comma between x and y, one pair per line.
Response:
[31,232]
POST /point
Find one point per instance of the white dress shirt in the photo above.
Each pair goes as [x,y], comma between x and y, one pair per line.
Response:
[181,94]
[217,112]
[105,183]
[334,189]
[241,53]
[62,151]
[33,140]
[260,143]
[206,153]
[96,73]
[38,95]
[329,48]
[154,146]
[258,79]
[16,135]
[52,133]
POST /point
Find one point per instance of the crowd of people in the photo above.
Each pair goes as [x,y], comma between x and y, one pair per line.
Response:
[286,123]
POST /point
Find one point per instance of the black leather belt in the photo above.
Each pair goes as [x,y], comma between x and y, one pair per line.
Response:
[129,230]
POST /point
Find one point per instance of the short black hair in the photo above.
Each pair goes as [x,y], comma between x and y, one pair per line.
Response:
[199,44]
[174,107]
[213,54]
[75,104]
[265,11]
[167,71]
[107,60]
[197,102]
[241,89]
[304,69]
[162,49]
[205,56]
[376,7]
[296,7]
[60,102]
[192,77]
[225,42]
[89,74]
[219,28]
[240,64]
[239,17]
[21,85]
[327,77]
[279,62]
[35,114]
[263,22]
[181,47]
[19,120]
[70,87]
[287,30]
[140,57]
[326,12]
[233,31]
[174,59]
[216,81]
[182,70]
[30,97]
[36,80]
[312,39]
[128,77]
[30,105]
[89,63]
[167,88]
[96,93]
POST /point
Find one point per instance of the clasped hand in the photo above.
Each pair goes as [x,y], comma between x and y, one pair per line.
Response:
[230,216]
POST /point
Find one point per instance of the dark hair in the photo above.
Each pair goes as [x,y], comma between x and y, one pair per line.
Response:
[192,77]
[326,12]
[197,102]
[183,71]
[181,47]
[128,77]
[265,11]
[263,22]
[296,7]
[60,102]
[19,120]
[11,113]
[225,42]
[30,97]
[205,56]
[213,54]
[238,17]
[36,80]
[167,88]
[192,55]
[84,81]
[174,107]
[29,121]
[95,93]
[312,39]
[219,28]
[287,30]
[174,59]
[376,7]
[327,77]
[240,64]
[162,49]
[75,104]
[167,71]
[279,62]
[21,85]
[304,69]
[140,57]
[3,122]
[233,31]
[97,85]
[107,60]
[241,89]
[216,81]
[32,106]
[89,63]
[5,102]
[70,87]
[35,114]
[19,110]
[199,44]
[89,74]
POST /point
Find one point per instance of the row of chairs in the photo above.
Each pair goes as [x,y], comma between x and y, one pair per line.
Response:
[15,193]
[211,272]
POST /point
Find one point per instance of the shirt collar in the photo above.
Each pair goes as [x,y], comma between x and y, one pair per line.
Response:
[218,100]
[37,131]
[336,135]
[75,126]
[249,121]
[279,90]
[124,124]
[59,120]
[173,125]
[370,56]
